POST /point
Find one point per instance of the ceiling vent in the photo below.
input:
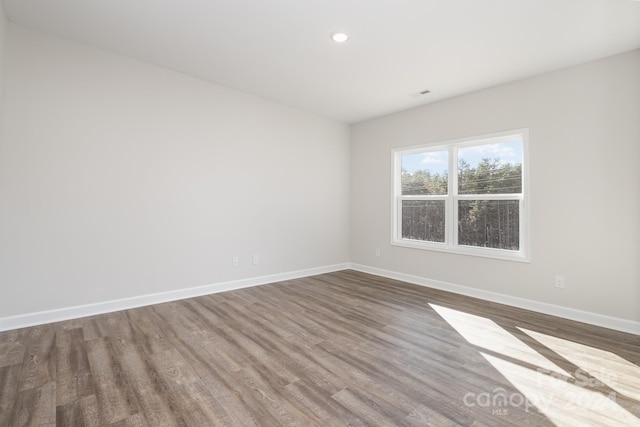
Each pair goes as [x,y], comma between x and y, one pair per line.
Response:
[417,94]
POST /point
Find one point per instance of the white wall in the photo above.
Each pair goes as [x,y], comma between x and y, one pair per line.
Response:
[119,178]
[585,152]
[3,30]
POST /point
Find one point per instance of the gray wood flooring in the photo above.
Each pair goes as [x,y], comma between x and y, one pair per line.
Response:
[344,348]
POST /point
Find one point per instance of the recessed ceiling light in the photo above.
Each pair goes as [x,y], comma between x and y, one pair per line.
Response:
[339,37]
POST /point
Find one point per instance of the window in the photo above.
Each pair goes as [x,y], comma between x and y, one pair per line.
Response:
[465,196]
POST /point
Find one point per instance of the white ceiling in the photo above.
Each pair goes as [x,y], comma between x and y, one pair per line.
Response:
[281,50]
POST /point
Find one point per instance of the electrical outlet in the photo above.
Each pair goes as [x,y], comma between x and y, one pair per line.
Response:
[559,282]
[378,253]
[256,259]
[235,261]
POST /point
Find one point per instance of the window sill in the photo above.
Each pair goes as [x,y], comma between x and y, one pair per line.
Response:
[500,254]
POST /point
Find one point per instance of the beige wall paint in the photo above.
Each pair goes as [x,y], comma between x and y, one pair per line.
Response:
[584,150]
[119,179]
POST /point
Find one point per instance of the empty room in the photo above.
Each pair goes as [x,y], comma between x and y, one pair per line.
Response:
[320,213]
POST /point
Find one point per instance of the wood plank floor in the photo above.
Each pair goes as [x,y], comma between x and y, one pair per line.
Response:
[344,348]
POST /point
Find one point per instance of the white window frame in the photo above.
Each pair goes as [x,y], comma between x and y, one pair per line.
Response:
[452,197]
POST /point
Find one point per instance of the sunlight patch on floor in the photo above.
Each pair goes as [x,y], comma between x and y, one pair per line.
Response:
[566,399]
[606,367]
[487,334]
[562,402]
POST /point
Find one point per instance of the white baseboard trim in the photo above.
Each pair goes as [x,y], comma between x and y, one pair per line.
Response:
[67,313]
[596,319]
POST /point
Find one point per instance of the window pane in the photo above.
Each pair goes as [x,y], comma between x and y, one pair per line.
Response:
[489,223]
[423,220]
[425,173]
[491,168]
